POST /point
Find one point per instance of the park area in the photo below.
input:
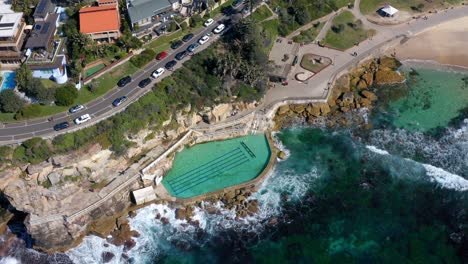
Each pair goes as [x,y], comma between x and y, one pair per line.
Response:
[346,32]
[415,6]
[215,165]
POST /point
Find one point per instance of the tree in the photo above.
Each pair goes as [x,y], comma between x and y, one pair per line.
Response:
[10,102]
[302,16]
[65,95]
[23,77]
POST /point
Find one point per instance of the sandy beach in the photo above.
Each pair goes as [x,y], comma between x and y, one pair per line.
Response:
[445,44]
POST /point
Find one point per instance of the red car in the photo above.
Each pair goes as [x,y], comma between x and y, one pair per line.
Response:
[161,55]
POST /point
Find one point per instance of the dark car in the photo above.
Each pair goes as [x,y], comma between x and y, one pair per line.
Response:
[61,126]
[170,64]
[181,55]
[176,44]
[227,11]
[187,37]
[162,55]
[237,3]
[192,47]
[143,83]
[119,101]
[124,81]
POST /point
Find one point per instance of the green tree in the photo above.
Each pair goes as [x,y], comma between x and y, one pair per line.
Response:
[10,102]
[23,77]
[65,95]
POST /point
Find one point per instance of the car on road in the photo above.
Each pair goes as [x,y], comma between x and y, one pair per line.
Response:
[208,22]
[82,119]
[143,83]
[176,44]
[119,101]
[181,55]
[219,28]
[237,3]
[75,109]
[158,73]
[203,39]
[162,55]
[188,37]
[170,64]
[228,11]
[61,126]
[193,47]
[124,81]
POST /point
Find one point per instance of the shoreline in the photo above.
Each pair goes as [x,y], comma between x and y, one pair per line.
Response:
[433,65]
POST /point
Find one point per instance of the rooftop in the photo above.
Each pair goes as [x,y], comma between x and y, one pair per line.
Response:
[43,8]
[95,19]
[142,9]
[390,10]
[9,23]
[42,33]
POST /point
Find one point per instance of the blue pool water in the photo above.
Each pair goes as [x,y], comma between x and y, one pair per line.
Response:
[9,81]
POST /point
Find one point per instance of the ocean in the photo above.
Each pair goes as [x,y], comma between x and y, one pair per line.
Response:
[393,192]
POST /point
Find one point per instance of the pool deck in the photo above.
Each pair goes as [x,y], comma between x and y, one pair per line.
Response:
[253,184]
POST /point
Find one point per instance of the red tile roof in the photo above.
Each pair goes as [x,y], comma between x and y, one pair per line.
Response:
[95,19]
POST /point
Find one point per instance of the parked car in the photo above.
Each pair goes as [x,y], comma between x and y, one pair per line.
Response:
[119,101]
[219,28]
[204,39]
[158,73]
[176,44]
[170,64]
[245,10]
[181,55]
[124,81]
[187,37]
[193,47]
[61,126]
[208,22]
[237,3]
[143,83]
[75,109]
[162,55]
[82,119]
[228,11]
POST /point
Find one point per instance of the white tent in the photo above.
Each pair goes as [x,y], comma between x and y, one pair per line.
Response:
[389,10]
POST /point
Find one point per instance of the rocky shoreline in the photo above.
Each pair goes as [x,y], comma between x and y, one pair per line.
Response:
[65,181]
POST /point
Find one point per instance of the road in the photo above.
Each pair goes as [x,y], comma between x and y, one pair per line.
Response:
[101,108]
[316,87]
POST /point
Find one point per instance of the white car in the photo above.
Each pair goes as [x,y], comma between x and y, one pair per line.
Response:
[203,39]
[219,29]
[82,119]
[158,73]
[208,22]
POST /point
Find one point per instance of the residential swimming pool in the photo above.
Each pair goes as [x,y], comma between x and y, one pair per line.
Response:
[8,81]
[212,166]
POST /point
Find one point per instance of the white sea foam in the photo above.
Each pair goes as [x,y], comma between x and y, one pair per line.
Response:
[442,177]
[446,179]
[377,150]
[280,144]
[9,260]
[91,249]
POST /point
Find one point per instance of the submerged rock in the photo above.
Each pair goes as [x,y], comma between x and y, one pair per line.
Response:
[107,256]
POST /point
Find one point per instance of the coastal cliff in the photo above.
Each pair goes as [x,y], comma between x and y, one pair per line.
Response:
[54,191]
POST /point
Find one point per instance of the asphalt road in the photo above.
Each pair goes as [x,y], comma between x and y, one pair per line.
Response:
[102,108]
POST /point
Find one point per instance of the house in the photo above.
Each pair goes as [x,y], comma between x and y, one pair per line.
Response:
[101,23]
[43,9]
[12,36]
[45,53]
[142,12]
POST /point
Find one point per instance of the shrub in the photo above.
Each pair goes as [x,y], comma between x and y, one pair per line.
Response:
[65,95]
[143,58]
[183,25]
[10,102]
[172,27]
[195,20]
[29,111]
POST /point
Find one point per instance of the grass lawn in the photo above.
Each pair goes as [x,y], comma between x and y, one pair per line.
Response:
[217,10]
[261,13]
[309,35]
[307,62]
[349,36]
[163,43]
[48,83]
[94,69]
[270,29]
[371,6]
